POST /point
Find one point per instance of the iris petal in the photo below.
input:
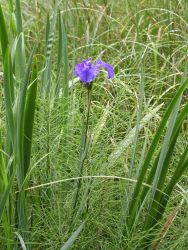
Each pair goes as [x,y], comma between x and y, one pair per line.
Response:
[86,71]
[108,67]
[87,76]
[78,68]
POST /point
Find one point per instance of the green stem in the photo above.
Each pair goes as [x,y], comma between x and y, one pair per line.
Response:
[89,88]
[84,145]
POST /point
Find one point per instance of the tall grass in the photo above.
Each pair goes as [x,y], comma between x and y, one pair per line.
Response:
[18,150]
[128,192]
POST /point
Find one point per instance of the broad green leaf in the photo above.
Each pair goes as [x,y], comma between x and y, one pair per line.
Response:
[29,114]
[8,91]
[3,33]
[20,119]
[20,58]
[18,18]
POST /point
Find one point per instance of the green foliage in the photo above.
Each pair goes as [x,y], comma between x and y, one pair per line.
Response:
[15,109]
[126,187]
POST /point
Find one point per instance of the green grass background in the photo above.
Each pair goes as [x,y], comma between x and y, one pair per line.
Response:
[122,32]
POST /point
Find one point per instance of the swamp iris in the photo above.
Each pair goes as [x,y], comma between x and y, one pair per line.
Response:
[87,71]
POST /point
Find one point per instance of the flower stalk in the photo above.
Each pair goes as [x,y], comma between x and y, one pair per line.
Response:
[85,144]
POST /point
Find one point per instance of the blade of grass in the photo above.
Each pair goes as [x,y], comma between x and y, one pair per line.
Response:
[18,18]
[20,58]
[60,54]
[23,246]
[4,44]
[139,116]
[180,169]
[65,85]
[20,119]
[73,237]
[5,194]
[47,29]
[3,170]
[29,114]
[3,34]
[3,185]
[8,83]
[46,76]
[10,5]
[20,52]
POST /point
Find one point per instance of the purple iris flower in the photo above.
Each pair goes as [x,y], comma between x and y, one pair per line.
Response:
[87,71]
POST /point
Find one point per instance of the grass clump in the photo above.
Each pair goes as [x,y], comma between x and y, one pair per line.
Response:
[118,180]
